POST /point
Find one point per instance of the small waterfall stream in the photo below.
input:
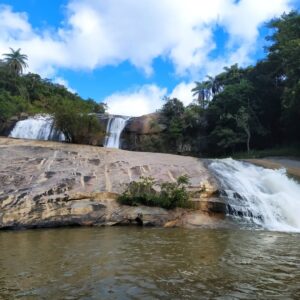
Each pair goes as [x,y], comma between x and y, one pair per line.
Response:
[115,126]
[264,197]
[39,127]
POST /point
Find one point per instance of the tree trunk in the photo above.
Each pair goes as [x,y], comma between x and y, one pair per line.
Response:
[248,139]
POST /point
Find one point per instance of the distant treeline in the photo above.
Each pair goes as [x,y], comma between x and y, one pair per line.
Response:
[240,109]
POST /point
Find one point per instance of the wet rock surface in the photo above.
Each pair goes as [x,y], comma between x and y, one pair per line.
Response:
[49,184]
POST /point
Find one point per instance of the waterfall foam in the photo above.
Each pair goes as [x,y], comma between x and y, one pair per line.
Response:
[39,127]
[268,198]
[115,126]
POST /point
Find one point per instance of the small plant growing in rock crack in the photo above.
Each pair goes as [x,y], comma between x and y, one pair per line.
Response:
[168,194]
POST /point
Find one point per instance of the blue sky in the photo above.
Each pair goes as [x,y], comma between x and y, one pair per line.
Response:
[132,53]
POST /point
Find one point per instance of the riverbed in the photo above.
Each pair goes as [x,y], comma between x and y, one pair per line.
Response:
[149,263]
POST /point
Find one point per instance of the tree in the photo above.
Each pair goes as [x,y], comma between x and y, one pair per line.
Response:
[16,61]
[172,117]
[74,119]
[232,116]
[214,84]
[284,53]
[243,121]
[98,108]
[268,87]
[203,91]
[242,118]
[206,90]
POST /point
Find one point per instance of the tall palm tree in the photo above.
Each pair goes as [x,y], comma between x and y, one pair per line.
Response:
[203,92]
[16,61]
[214,84]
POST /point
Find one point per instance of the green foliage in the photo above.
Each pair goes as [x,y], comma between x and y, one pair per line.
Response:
[284,54]
[11,105]
[151,143]
[16,61]
[78,125]
[233,116]
[143,192]
[171,116]
[31,94]
[203,93]
[180,130]
[242,108]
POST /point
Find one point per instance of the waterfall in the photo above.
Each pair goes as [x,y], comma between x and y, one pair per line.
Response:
[39,127]
[264,197]
[114,128]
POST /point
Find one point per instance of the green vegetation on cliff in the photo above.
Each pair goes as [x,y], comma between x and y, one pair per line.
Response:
[241,109]
[31,94]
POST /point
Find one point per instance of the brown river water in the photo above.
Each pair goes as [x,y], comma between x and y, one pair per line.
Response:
[149,263]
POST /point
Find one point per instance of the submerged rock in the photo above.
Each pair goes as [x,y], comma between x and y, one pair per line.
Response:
[49,184]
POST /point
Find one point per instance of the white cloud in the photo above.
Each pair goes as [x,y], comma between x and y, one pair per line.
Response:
[141,101]
[45,53]
[146,99]
[65,83]
[98,33]
[183,92]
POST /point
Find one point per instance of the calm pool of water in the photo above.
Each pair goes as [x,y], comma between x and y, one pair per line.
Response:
[139,263]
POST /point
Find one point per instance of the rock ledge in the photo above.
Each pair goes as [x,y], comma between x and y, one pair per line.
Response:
[49,184]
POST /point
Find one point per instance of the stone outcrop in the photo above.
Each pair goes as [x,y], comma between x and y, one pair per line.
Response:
[145,124]
[6,127]
[46,184]
[138,129]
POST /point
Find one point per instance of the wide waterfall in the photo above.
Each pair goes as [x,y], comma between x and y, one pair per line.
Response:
[39,127]
[264,197]
[115,126]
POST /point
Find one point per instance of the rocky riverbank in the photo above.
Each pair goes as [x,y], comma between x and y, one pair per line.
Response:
[292,165]
[49,184]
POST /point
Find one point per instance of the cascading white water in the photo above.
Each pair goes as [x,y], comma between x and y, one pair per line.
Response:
[114,128]
[266,197]
[39,127]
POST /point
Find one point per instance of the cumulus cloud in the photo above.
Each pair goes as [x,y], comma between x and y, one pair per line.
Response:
[137,102]
[45,53]
[98,33]
[183,92]
[146,99]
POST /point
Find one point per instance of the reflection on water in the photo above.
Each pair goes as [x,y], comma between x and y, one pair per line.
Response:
[137,263]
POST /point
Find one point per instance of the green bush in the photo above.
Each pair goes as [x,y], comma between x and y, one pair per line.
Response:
[78,125]
[170,194]
[11,105]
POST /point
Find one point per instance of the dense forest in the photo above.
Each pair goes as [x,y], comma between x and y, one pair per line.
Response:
[240,109]
[30,94]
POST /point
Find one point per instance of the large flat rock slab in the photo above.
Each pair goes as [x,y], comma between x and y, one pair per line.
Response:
[57,183]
